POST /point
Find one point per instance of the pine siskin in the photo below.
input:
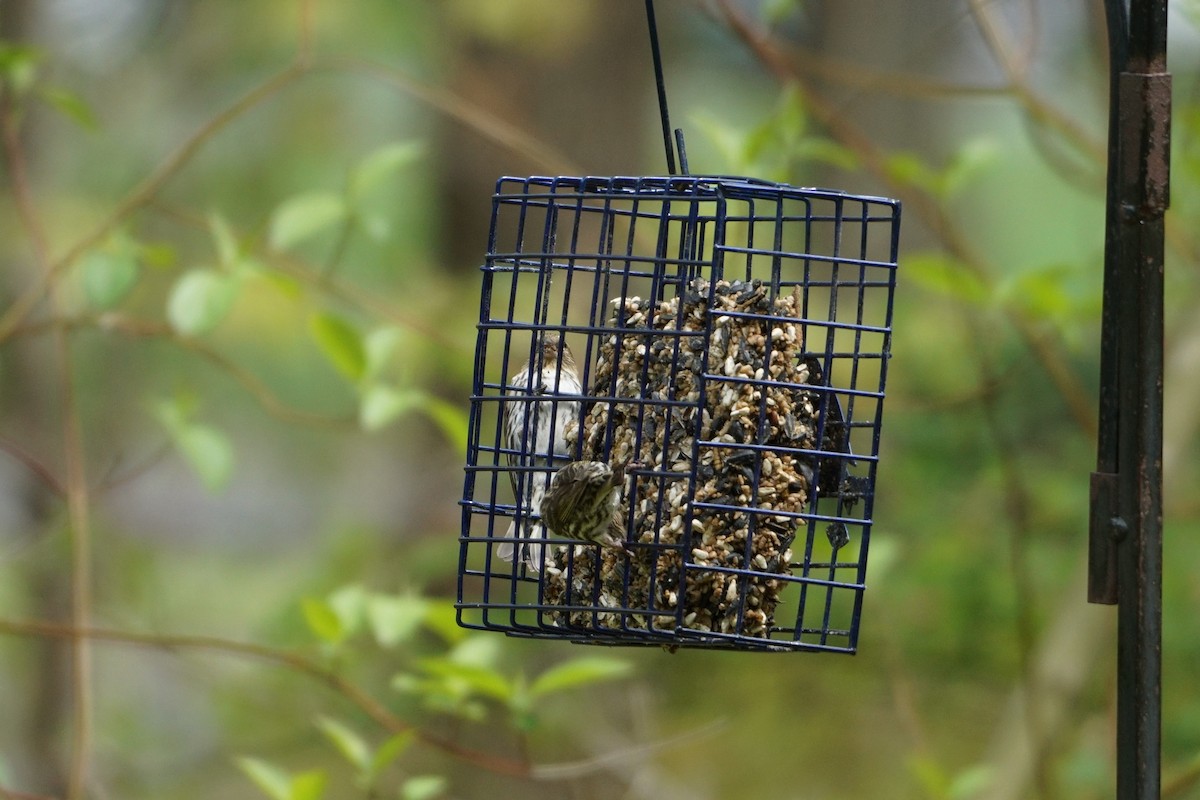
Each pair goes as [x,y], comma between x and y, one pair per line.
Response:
[835,439]
[583,503]
[535,436]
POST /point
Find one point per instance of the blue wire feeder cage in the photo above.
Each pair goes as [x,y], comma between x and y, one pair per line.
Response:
[721,344]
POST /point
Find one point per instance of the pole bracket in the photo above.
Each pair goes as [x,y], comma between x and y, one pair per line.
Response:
[1145,146]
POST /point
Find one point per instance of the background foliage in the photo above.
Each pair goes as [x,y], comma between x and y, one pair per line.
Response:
[237,295]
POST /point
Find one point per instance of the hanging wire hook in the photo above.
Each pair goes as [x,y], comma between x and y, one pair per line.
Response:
[656,54]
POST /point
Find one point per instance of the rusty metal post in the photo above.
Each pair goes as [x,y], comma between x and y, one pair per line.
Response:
[1125,553]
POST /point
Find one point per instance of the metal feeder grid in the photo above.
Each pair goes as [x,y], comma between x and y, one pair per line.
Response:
[581,257]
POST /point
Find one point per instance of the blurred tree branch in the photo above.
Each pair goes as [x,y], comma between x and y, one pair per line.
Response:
[351,692]
[1040,343]
[355,695]
[76,486]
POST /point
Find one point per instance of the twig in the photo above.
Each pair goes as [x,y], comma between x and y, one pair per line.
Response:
[306,666]
[627,758]
[355,695]
[13,794]
[146,329]
[483,122]
[76,487]
[143,192]
[39,470]
[1017,505]
[261,392]
[369,302]
[927,207]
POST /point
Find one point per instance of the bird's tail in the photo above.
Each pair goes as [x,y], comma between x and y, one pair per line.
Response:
[533,551]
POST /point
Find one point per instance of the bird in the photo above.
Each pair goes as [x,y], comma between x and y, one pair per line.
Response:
[583,503]
[535,439]
[831,471]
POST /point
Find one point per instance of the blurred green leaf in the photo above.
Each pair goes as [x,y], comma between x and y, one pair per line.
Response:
[322,620]
[108,275]
[70,105]
[579,672]
[382,404]
[479,679]
[968,162]
[304,216]
[388,752]
[159,255]
[308,785]
[209,452]
[225,242]
[273,781]
[775,11]
[395,618]
[442,695]
[971,782]
[18,66]
[1051,293]
[285,284]
[349,603]
[442,620]
[381,164]
[816,149]
[376,225]
[352,746]
[477,650]
[452,419]
[910,169]
[930,776]
[200,300]
[423,787]
[381,346]
[781,131]
[729,142]
[341,343]
[942,274]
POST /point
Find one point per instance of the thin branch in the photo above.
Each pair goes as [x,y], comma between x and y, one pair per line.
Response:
[76,488]
[37,468]
[1017,506]
[143,193]
[474,117]
[13,794]
[626,758]
[304,34]
[113,478]
[370,302]
[258,389]
[927,207]
[294,661]
[147,329]
[356,696]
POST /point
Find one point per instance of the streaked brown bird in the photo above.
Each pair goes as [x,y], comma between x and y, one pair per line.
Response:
[583,503]
[535,437]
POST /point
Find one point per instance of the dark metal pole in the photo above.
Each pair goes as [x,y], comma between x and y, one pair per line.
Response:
[1126,524]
